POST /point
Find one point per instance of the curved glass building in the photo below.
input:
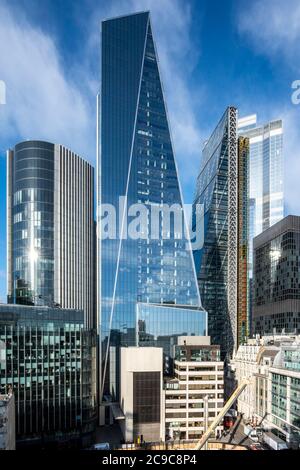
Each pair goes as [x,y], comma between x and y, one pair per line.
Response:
[50,211]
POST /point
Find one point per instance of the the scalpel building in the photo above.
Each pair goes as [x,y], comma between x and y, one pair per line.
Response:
[148,293]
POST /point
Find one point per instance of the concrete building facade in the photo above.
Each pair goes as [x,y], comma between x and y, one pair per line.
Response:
[254,359]
[196,394]
[271,400]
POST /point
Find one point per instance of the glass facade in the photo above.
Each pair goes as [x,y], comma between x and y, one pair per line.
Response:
[49,363]
[279,399]
[266,192]
[222,188]
[295,400]
[50,220]
[136,160]
[291,359]
[285,392]
[276,292]
[266,173]
[153,327]
[32,200]
[187,353]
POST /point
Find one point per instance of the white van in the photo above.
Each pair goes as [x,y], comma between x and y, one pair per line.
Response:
[101,446]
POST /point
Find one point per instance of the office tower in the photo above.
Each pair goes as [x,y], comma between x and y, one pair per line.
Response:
[221,262]
[49,364]
[265,175]
[7,422]
[197,390]
[142,394]
[276,278]
[50,228]
[147,281]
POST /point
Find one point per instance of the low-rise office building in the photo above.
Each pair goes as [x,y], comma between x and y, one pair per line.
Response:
[7,422]
[154,408]
[272,398]
[253,359]
[196,394]
[49,363]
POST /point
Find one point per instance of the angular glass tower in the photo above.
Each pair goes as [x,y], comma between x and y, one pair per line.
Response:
[148,292]
[221,264]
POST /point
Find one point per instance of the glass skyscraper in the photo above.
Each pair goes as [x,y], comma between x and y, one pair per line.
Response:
[50,228]
[266,191]
[221,263]
[266,196]
[149,278]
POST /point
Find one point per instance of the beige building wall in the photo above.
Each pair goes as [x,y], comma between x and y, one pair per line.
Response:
[140,360]
[196,391]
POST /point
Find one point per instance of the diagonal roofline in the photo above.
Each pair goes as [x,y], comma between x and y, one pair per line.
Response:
[126,15]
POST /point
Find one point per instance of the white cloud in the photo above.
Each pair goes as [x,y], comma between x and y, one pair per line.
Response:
[273,27]
[42,102]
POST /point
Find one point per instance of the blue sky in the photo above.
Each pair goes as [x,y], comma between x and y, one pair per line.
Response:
[212,54]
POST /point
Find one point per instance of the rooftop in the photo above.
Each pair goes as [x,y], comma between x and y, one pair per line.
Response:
[291,223]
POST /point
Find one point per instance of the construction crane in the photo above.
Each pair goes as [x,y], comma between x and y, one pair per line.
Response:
[222,413]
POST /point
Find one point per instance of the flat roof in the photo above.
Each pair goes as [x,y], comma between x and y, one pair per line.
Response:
[289,223]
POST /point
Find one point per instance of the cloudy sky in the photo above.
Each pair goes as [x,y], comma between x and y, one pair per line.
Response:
[213,54]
